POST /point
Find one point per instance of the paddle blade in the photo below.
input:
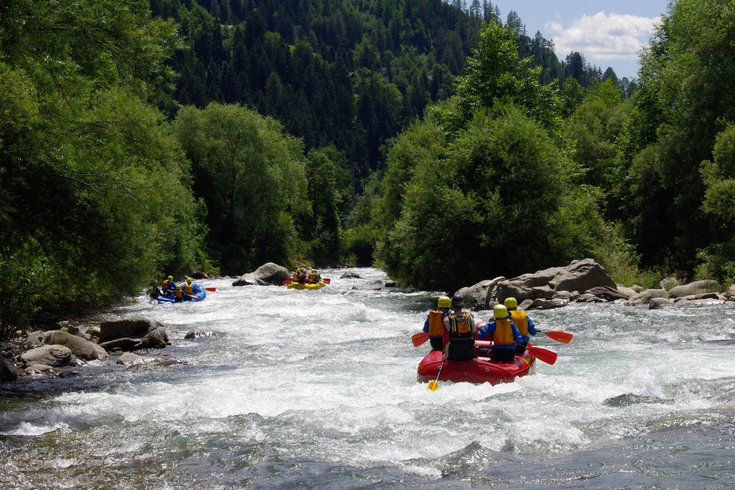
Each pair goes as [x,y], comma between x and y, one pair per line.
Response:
[562,337]
[287,281]
[433,384]
[326,280]
[211,289]
[419,338]
[545,355]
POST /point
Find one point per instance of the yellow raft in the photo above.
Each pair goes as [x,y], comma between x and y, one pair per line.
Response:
[306,285]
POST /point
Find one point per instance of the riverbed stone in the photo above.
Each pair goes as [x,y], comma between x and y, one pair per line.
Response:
[49,355]
[546,304]
[130,327]
[668,283]
[695,288]
[81,348]
[608,293]
[130,359]
[659,303]
[645,297]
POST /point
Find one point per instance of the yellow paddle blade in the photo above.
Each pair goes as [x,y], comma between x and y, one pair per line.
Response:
[433,385]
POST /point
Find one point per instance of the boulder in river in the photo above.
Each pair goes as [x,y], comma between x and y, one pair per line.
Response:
[580,275]
[132,334]
[49,355]
[266,274]
[694,288]
[81,348]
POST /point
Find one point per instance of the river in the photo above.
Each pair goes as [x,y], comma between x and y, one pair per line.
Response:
[317,389]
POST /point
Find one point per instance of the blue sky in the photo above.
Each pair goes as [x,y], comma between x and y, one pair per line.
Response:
[607,33]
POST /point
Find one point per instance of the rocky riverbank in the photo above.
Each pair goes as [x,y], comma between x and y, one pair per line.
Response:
[587,281]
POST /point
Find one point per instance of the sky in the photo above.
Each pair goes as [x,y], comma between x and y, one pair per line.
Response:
[607,33]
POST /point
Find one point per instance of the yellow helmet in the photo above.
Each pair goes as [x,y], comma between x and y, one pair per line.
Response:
[511,303]
[500,312]
[170,278]
[444,302]
[188,280]
[178,286]
[313,270]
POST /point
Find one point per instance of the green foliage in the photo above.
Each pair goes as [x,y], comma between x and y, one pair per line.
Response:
[685,99]
[495,74]
[95,191]
[717,259]
[593,133]
[323,227]
[251,175]
[496,201]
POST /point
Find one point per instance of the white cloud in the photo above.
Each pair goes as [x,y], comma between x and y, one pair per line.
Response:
[603,37]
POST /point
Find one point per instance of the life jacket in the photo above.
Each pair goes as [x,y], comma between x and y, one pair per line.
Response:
[521,320]
[188,288]
[164,284]
[436,323]
[178,296]
[503,333]
[460,325]
[461,338]
[312,277]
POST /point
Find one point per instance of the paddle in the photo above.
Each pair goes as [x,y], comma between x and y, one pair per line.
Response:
[419,338]
[326,280]
[545,355]
[434,384]
[563,337]
[211,289]
[287,281]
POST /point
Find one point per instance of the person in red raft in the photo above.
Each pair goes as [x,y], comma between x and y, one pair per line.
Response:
[460,331]
[504,334]
[523,322]
[434,324]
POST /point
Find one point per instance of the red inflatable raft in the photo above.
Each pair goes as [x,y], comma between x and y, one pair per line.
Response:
[477,370]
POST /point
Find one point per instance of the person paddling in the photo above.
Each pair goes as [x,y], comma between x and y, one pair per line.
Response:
[188,290]
[522,321]
[434,323]
[504,334]
[461,330]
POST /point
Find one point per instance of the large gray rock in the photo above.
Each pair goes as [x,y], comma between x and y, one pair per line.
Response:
[582,275]
[81,348]
[131,327]
[607,293]
[658,303]
[730,293]
[579,275]
[695,288]
[266,274]
[645,297]
[49,355]
[476,296]
[132,334]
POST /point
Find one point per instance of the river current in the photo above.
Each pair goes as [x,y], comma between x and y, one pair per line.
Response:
[317,389]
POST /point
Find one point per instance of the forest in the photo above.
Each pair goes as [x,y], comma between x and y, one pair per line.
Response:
[436,140]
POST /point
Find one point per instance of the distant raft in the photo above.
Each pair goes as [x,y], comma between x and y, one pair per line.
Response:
[477,370]
[306,285]
[199,293]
